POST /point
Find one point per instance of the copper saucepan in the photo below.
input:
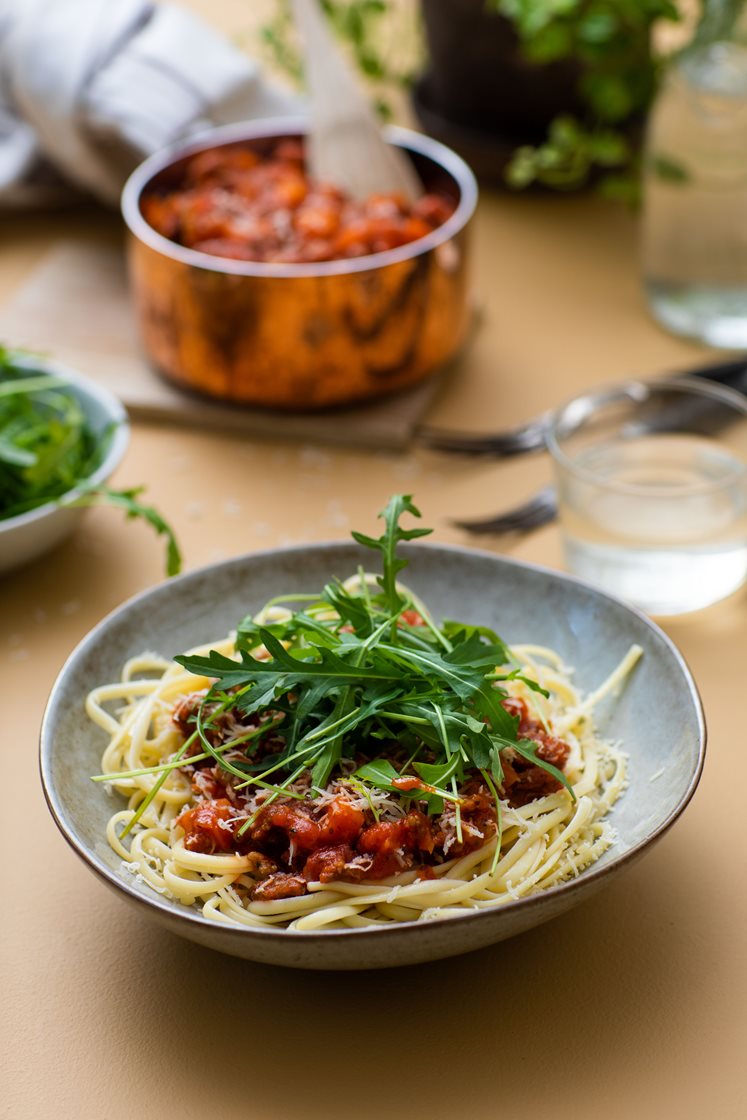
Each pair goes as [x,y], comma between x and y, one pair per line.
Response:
[301,336]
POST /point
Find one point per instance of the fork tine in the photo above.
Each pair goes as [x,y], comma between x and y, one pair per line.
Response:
[539,510]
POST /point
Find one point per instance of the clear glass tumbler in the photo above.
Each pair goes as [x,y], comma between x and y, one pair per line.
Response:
[652,491]
[694,220]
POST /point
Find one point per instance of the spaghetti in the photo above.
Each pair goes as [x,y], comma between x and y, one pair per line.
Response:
[544,842]
[349,763]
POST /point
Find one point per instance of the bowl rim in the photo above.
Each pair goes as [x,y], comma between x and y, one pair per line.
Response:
[171,910]
[141,177]
[115,452]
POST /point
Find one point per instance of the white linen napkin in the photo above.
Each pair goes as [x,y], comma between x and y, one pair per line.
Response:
[88,88]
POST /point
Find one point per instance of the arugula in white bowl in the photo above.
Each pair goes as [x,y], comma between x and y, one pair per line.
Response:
[50,452]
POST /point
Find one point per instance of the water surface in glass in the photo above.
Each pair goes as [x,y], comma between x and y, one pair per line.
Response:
[652,487]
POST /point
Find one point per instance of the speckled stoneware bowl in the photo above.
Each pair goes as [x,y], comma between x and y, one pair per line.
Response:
[658,718]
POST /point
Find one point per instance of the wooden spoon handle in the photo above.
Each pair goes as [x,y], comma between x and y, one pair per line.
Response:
[345,145]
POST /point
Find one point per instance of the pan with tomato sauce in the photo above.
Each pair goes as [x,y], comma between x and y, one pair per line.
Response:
[255,284]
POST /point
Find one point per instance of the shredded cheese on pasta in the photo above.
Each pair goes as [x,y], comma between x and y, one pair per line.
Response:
[543,843]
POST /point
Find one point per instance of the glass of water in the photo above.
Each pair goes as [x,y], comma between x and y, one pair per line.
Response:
[652,491]
[694,220]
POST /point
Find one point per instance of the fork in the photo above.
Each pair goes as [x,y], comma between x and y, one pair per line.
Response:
[526,437]
[530,435]
[540,509]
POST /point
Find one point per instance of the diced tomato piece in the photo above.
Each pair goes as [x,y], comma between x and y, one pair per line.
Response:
[432,209]
[301,832]
[209,826]
[341,824]
[316,221]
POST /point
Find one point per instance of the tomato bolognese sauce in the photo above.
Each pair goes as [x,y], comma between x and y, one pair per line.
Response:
[338,834]
[234,202]
[348,762]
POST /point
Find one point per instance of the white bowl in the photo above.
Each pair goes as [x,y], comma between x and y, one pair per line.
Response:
[30,535]
[658,718]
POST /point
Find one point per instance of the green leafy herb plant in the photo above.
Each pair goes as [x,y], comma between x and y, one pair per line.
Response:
[611,44]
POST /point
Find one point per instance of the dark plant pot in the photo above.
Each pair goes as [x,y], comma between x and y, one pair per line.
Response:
[479,94]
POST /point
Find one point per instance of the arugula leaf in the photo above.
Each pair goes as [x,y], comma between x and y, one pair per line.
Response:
[436,774]
[127,500]
[283,667]
[46,444]
[472,650]
[451,628]
[496,767]
[517,675]
[379,773]
[387,543]
[462,680]
[487,702]
[352,609]
[528,749]
[48,450]
[341,675]
[228,673]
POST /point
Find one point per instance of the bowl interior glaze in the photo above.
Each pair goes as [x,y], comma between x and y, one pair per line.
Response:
[658,718]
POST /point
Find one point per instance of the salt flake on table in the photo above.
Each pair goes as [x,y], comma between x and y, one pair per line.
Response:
[336,515]
[180,463]
[406,469]
[231,507]
[194,510]
[314,458]
[72,606]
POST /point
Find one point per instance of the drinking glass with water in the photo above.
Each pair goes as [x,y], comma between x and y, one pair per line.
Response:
[652,491]
[694,223]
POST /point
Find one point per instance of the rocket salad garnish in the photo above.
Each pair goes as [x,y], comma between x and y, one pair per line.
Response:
[356,670]
[48,452]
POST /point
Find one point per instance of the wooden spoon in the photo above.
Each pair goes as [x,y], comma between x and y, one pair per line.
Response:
[345,146]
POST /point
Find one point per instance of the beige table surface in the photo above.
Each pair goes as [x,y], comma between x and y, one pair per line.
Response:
[633,1005]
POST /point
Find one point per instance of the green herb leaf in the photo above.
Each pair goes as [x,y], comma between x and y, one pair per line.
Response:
[387,543]
[49,451]
[128,500]
[342,675]
[379,773]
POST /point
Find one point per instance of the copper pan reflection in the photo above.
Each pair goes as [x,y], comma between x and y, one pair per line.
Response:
[301,336]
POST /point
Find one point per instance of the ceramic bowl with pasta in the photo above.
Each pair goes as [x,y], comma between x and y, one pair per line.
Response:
[333,774]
